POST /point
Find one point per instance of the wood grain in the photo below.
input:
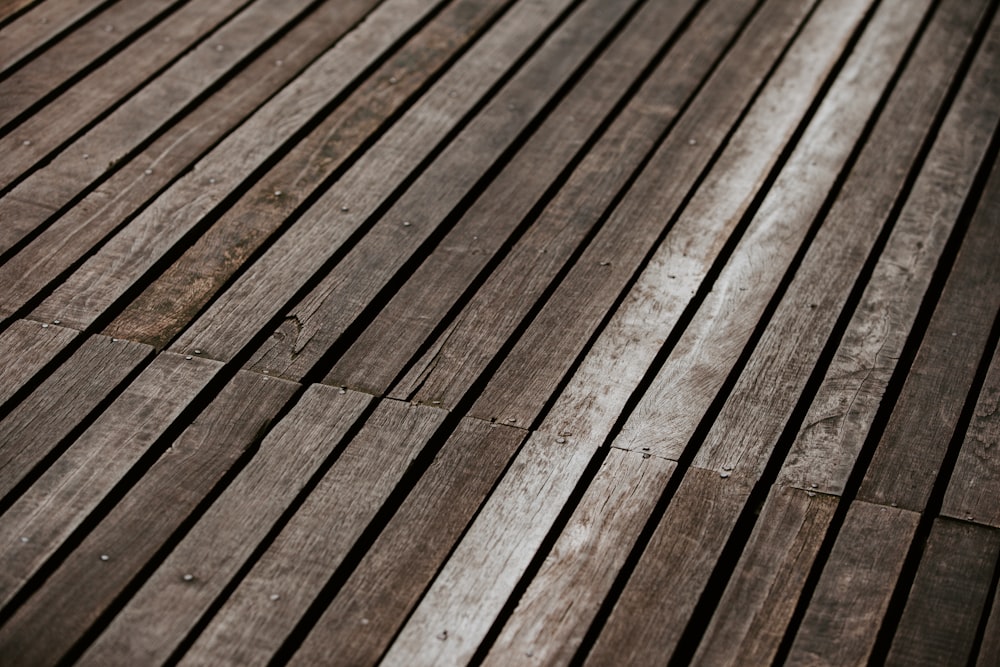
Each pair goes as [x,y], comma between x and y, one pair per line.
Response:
[25,348]
[82,589]
[167,606]
[39,26]
[989,649]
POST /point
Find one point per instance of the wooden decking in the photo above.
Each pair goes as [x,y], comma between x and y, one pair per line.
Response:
[503,332]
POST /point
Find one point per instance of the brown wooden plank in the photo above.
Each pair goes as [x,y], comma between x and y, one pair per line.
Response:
[87,43]
[388,344]
[172,301]
[652,611]
[948,596]
[556,610]
[76,232]
[752,617]
[61,499]
[43,132]
[492,555]
[606,266]
[54,619]
[9,8]
[851,598]
[223,329]
[130,253]
[767,391]
[909,455]
[375,600]
[247,632]
[315,324]
[848,398]
[167,606]
[25,348]
[989,650]
[39,26]
[699,363]
[46,417]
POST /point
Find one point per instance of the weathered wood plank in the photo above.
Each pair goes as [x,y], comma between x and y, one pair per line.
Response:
[76,232]
[25,348]
[46,417]
[989,650]
[375,600]
[909,454]
[61,499]
[701,360]
[173,300]
[51,623]
[844,408]
[767,391]
[9,8]
[461,605]
[556,610]
[948,596]
[752,617]
[652,611]
[39,26]
[303,250]
[851,598]
[391,341]
[166,607]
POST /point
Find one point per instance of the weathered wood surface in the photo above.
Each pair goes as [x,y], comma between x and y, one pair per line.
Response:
[447,332]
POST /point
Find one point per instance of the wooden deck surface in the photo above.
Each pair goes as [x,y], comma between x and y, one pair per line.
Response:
[499,332]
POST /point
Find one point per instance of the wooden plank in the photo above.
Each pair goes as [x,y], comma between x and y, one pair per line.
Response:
[553,615]
[42,76]
[79,230]
[909,454]
[845,405]
[9,8]
[130,253]
[39,26]
[138,118]
[304,249]
[375,600]
[45,418]
[607,264]
[752,617]
[159,616]
[44,132]
[394,338]
[989,650]
[88,583]
[327,526]
[948,596]
[688,381]
[852,596]
[653,609]
[173,300]
[767,391]
[975,480]
[35,526]
[461,605]
[25,348]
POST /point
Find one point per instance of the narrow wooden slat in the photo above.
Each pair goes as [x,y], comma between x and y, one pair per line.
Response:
[989,650]
[375,600]
[752,617]
[39,26]
[25,348]
[844,408]
[382,352]
[909,454]
[553,615]
[173,300]
[53,620]
[61,499]
[77,231]
[948,596]
[10,7]
[167,606]
[223,329]
[491,558]
[851,598]
[33,429]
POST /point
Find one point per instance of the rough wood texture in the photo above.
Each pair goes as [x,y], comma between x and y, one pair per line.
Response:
[989,650]
[86,584]
[25,348]
[948,596]
[850,600]
[44,419]
[167,606]
[38,26]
